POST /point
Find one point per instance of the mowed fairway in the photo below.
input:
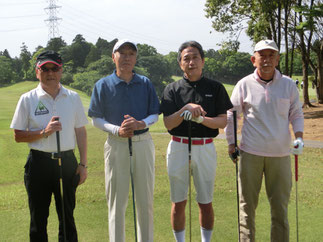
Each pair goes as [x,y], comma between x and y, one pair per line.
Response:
[91,213]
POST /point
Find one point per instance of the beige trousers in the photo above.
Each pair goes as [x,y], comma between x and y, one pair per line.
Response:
[278,181]
[117,179]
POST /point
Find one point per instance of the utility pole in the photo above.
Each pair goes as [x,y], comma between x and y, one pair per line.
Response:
[52,11]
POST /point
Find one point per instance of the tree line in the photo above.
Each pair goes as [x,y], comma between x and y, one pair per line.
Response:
[85,63]
[295,25]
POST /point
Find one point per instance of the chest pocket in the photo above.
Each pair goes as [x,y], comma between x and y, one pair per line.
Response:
[283,105]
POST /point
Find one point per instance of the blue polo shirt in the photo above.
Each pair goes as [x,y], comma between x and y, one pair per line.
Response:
[112,98]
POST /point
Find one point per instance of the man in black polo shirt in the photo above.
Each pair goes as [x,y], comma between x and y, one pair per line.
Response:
[204,102]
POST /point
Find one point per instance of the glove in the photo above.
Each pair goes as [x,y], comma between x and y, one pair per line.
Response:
[298,146]
[235,154]
[198,120]
[187,115]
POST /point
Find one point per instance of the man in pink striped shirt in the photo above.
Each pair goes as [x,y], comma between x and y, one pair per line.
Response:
[269,102]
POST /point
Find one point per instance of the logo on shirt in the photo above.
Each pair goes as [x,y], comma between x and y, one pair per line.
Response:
[208,95]
[41,109]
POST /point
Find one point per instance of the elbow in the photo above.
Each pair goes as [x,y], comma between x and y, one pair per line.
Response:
[223,123]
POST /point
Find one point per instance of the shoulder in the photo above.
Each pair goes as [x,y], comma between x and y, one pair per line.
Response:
[72,95]
[30,94]
[214,83]
[176,84]
[141,79]
[249,79]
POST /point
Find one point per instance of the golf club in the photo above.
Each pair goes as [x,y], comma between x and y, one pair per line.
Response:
[189,176]
[296,180]
[59,157]
[235,157]
[132,188]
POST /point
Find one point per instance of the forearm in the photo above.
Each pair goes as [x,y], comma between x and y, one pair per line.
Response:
[218,122]
[150,120]
[81,139]
[28,136]
[105,125]
[173,120]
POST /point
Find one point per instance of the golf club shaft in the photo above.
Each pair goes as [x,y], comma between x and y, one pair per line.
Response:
[296,180]
[132,188]
[61,182]
[189,177]
[237,168]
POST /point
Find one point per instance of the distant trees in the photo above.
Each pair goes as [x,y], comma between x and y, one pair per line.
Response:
[85,63]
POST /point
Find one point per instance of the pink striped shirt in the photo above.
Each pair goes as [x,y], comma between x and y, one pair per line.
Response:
[267,108]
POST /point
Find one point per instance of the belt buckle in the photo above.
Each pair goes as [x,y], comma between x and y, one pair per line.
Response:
[54,156]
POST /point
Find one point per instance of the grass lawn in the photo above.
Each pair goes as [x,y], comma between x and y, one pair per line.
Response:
[91,211]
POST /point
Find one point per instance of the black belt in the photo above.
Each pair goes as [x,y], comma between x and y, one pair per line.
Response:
[53,155]
[137,132]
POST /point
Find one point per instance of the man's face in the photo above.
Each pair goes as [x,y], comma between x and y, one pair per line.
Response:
[125,58]
[49,73]
[191,63]
[265,61]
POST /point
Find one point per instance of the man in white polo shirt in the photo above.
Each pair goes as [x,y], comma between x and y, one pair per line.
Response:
[35,122]
[269,102]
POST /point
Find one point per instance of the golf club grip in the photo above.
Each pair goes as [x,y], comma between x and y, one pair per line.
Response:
[58,143]
[130,146]
[296,168]
[235,128]
[189,136]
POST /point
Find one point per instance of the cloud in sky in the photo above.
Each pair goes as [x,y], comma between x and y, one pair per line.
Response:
[163,24]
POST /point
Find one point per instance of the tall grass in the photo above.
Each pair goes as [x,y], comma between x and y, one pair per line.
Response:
[91,212]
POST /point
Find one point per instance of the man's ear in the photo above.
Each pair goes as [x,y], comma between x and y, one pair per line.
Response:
[253,60]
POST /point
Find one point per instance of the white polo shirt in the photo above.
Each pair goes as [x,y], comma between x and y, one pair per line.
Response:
[36,108]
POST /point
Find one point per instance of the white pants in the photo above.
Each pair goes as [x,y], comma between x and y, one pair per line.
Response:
[117,178]
[203,165]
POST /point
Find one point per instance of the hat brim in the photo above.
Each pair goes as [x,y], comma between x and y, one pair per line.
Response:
[134,47]
[266,48]
[43,62]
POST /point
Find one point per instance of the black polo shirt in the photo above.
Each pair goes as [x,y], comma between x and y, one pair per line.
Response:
[210,94]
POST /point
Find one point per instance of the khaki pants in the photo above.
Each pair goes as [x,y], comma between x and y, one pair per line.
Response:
[117,179]
[278,181]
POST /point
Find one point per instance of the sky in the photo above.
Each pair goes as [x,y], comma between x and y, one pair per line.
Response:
[163,24]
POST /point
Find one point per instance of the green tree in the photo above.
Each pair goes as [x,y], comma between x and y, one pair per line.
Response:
[293,19]
[158,69]
[93,55]
[6,71]
[25,57]
[85,81]
[105,47]
[174,67]
[146,50]
[56,44]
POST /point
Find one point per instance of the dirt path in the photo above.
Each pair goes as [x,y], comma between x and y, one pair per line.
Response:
[313,122]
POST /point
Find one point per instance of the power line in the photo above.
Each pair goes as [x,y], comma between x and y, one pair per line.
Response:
[24,16]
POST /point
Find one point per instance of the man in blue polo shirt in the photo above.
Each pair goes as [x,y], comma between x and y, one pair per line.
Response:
[125,104]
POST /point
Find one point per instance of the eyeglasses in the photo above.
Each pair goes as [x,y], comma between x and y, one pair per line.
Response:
[53,69]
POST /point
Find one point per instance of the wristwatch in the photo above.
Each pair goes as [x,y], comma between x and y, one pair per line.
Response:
[85,166]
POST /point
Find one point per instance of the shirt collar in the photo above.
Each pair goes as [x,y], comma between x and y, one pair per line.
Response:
[116,80]
[187,81]
[41,92]
[276,77]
